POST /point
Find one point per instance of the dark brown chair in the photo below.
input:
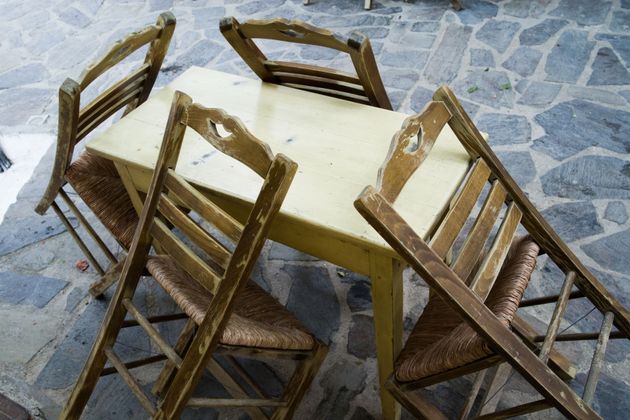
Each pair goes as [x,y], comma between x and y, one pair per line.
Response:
[228,314]
[95,179]
[365,88]
[478,276]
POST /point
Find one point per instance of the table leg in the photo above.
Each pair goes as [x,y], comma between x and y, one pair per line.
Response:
[387,301]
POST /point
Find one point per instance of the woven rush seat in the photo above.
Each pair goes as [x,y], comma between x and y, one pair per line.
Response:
[97,182]
[258,320]
[441,340]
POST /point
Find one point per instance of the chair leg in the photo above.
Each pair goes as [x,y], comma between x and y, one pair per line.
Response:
[415,403]
[300,381]
[168,371]
[101,285]
[105,339]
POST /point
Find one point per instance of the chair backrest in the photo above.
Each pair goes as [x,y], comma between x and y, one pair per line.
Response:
[210,262]
[366,87]
[75,122]
[455,280]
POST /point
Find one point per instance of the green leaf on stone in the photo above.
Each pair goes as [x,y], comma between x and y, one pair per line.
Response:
[505,86]
[473,89]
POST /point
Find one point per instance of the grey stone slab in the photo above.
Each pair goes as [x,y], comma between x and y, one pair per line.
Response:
[575,125]
[569,56]
[377,32]
[595,95]
[616,212]
[505,129]
[518,8]
[620,43]
[607,401]
[541,32]
[25,231]
[406,59]
[589,177]
[313,300]
[400,79]
[539,94]
[606,251]
[159,5]
[625,4]
[584,12]
[285,253]
[64,366]
[74,17]
[521,85]
[258,6]
[519,164]
[426,26]
[446,58]
[209,17]
[480,57]
[75,296]
[24,75]
[573,221]
[311,52]
[359,296]
[492,88]
[396,97]
[476,11]
[361,340]
[200,54]
[27,289]
[608,70]
[498,34]
[112,399]
[351,21]
[82,49]
[421,40]
[341,383]
[17,105]
[625,94]
[620,21]
[361,413]
[523,61]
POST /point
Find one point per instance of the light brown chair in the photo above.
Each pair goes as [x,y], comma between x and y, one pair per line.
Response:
[228,313]
[365,88]
[95,179]
[470,322]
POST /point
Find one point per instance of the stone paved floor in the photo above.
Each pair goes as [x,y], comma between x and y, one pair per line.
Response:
[547,79]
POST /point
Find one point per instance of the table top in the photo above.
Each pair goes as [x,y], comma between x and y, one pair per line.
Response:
[338,146]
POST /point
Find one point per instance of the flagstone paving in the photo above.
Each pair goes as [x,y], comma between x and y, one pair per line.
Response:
[549,81]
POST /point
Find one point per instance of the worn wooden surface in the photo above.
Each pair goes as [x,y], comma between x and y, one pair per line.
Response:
[335,158]
[180,375]
[365,88]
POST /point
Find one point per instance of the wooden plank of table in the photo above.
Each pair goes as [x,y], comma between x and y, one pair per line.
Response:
[338,145]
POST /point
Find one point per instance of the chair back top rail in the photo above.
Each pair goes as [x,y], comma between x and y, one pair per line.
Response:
[367,87]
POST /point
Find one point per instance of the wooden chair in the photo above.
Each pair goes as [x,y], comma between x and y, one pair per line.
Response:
[470,322]
[228,313]
[365,88]
[95,179]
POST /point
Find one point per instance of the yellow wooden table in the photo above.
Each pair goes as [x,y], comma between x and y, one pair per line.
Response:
[338,145]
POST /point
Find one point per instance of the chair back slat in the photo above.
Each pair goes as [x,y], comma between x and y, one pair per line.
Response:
[409,148]
[317,79]
[484,279]
[461,207]
[185,257]
[190,198]
[119,52]
[113,98]
[480,231]
[279,68]
[204,240]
